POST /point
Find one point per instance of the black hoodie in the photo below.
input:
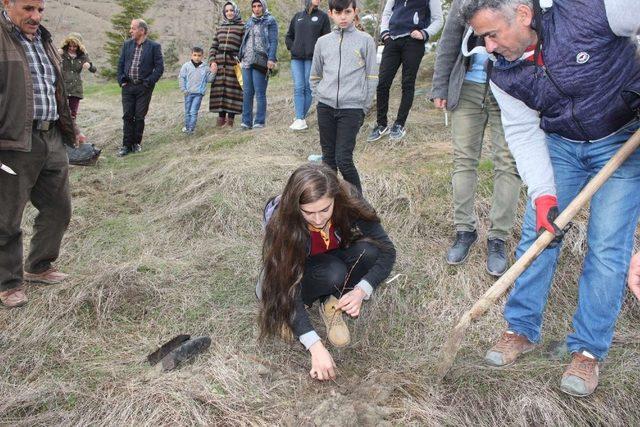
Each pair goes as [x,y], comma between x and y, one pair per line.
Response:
[304,30]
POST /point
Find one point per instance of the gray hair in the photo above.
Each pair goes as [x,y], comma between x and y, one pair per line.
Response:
[143,24]
[505,7]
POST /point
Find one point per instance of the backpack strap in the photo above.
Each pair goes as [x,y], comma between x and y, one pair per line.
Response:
[269,208]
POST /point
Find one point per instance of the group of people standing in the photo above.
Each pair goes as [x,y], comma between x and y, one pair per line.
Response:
[559,87]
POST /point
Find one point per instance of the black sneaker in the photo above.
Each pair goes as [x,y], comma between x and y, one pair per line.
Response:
[123,151]
[377,133]
[137,148]
[397,132]
[459,252]
[496,257]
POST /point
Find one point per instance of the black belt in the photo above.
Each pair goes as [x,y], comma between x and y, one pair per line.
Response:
[44,125]
[136,81]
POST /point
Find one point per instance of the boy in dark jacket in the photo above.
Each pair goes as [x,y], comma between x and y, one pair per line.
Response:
[406,27]
[304,30]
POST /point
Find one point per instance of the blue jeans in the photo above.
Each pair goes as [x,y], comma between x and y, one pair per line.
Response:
[612,222]
[192,103]
[255,84]
[301,71]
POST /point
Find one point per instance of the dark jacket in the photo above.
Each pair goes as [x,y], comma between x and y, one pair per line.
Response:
[590,83]
[71,69]
[408,15]
[151,63]
[16,92]
[304,31]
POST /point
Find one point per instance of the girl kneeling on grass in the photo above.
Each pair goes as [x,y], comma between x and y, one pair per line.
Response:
[323,242]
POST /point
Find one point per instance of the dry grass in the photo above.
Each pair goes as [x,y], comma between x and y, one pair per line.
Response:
[167,242]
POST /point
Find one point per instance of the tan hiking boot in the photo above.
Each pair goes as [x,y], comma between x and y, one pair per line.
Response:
[337,331]
[14,297]
[49,277]
[581,377]
[508,349]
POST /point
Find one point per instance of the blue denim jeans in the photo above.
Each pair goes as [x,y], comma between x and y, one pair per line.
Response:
[255,85]
[301,71]
[612,222]
[192,103]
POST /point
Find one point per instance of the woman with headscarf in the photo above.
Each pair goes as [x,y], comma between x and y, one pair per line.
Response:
[74,61]
[306,27]
[226,92]
[257,57]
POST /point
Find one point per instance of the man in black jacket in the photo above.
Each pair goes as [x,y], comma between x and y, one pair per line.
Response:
[139,68]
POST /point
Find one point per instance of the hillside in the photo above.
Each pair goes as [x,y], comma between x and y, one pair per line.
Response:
[179,23]
[168,241]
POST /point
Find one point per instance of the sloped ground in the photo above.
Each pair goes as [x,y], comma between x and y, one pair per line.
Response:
[181,24]
[168,241]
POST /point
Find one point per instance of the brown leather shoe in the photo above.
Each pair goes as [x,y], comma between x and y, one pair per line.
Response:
[49,277]
[229,122]
[508,348]
[337,331]
[221,121]
[14,297]
[581,377]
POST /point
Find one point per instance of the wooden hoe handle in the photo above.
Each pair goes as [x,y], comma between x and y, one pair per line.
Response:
[451,347]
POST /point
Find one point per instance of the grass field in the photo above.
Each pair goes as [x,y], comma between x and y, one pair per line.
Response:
[168,241]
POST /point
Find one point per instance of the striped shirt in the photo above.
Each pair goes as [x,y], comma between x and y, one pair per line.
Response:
[43,75]
[134,71]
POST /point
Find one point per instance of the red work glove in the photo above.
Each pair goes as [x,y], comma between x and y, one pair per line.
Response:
[546,213]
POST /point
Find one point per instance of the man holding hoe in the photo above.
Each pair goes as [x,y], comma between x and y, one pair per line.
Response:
[567,80]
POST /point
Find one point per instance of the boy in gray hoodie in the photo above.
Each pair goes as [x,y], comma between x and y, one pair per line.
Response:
[344,76]
[193,78]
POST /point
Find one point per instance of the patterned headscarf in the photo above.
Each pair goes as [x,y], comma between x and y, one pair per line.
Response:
[236,13]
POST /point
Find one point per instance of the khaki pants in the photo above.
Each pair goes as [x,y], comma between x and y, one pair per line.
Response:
[42,178]
[468,123]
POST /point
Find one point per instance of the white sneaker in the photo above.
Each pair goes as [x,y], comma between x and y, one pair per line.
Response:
[184,130]
[299,124]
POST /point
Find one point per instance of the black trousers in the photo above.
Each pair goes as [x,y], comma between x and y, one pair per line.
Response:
[407,52]
[135,105]
[326,274]
[338,130]
[42,179]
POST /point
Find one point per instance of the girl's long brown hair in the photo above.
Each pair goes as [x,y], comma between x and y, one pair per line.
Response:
[285,244]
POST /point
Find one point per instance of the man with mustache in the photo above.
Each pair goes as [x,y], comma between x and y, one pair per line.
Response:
[35,123]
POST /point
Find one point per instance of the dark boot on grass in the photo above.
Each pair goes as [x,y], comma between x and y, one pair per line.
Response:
[459,252]
[496,257]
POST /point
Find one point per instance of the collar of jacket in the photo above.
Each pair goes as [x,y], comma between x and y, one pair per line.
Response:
[350,29]
[264,17]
